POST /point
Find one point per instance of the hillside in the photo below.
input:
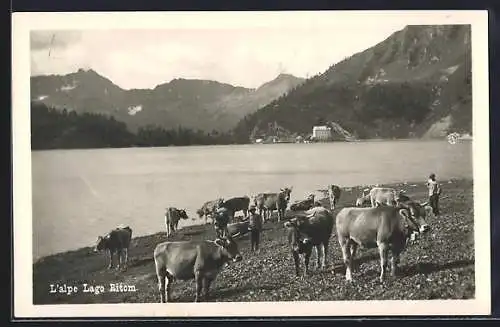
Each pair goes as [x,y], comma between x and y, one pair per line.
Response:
[196,104]
[439,265]
[416,83]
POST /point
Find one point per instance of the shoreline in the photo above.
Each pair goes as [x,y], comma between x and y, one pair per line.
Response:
[201,222]
[440,265]
[443,139]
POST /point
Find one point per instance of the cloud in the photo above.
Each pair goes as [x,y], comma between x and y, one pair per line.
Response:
[245,57]
[42,40]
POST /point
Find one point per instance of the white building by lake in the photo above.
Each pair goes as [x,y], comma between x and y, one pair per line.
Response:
[322,133]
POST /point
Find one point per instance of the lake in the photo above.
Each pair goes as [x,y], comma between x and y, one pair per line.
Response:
[80,194]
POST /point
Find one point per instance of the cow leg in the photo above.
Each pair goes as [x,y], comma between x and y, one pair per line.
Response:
[109,257]
[320,250]
[346,254]
[162,280]
[206,287]
[325,253]
[199,286]
[296,262]
[383,251]
[306,261]
[353,249]
[394,263]
[126,258]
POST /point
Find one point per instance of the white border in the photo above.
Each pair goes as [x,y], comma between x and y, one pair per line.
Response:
[24,22]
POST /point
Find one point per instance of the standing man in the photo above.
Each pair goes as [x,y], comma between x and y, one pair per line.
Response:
[255,227]
[434,193]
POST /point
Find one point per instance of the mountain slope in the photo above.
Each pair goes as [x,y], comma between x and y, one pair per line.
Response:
[399,88]
[198,104]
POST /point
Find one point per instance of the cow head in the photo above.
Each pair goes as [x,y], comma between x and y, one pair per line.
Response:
[287,191]
[299,242]
[101,243]
[182,213]
[200,213]
[414,214]
[230,248]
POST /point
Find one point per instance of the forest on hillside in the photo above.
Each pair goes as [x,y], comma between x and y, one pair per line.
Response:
[66,129]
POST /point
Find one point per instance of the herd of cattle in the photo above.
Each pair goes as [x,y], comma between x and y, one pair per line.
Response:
[381,218]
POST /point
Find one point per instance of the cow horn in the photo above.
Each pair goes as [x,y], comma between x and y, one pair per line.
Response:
[287,224]
[424,204]
[236,235]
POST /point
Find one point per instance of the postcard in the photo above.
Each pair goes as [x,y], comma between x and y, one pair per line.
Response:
[231,164]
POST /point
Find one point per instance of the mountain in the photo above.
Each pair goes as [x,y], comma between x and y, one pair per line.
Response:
[191,103]
[416,83]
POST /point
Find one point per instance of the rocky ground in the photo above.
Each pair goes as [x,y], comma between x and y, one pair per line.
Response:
[439,265]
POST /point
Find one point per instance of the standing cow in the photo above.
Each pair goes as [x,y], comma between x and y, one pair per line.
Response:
[209,208]
[363,199]
[333,195]
[236,204]
[267,202]
[116,242]
[172,217]
[304,233]
[187,260]
[384,227]
[383,196]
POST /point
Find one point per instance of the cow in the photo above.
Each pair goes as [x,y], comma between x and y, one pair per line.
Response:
[187,260]
[117,242]
[321,196]
[209,208]
[401,197]
[385,227]
[333,195]
[383,196]
[236,204]
[267,202]
[305,232]
[303,204]
[363,199]
[238,228]
[172,217]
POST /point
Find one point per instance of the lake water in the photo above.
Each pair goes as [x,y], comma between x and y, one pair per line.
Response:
[79,194]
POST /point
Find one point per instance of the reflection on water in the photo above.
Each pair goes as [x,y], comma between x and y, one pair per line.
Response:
[79,194]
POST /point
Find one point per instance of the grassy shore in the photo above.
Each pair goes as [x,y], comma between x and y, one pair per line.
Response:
[440,265]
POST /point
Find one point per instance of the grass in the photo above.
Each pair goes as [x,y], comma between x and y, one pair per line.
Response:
[440,265]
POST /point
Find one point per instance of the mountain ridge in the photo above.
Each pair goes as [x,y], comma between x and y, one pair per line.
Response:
[193,103]
[399,88]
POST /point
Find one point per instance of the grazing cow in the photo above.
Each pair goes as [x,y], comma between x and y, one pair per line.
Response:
[383,195]
[385,227]
[333,195]
[172,217]
[302,205]
[424,209]
[236,204]
[209,208]
[116,241]
[401,197]
[238,228]
[304,233]
[267,202]
[198,260]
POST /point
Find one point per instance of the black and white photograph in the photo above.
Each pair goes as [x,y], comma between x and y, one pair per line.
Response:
[288,163]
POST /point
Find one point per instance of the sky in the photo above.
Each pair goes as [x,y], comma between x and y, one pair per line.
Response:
[242,56]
